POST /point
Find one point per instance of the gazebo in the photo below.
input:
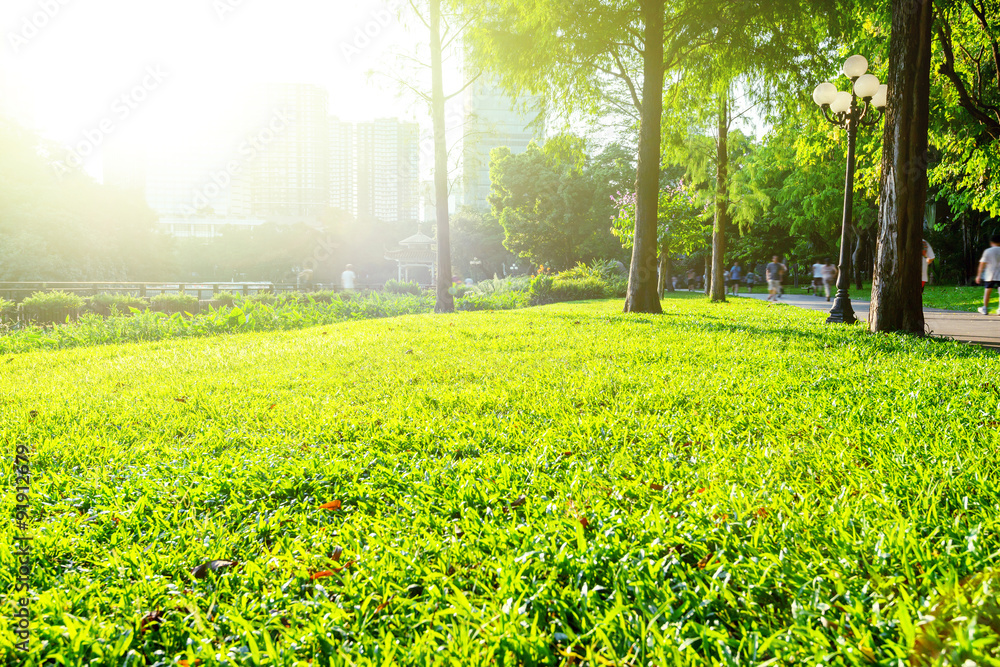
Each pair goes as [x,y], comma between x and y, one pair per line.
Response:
[418,253]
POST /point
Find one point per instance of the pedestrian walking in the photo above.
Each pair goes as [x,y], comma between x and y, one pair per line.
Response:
[829,278]
[989,273]
[928,258]
[348,278]
[817,277]
[735,275]
[774,272]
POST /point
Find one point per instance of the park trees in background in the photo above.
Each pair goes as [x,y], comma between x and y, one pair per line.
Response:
[682,228]
[555,204]
[69,228]
[600,57]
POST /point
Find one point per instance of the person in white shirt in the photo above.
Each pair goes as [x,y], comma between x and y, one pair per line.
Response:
[829,278]
[348,277]
[989,273]
[928,258]
[817,277]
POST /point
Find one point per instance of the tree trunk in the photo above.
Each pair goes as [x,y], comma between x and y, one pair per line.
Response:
[721,203]
[897,303]
[708,276]
[662,283]
[445,301]
[666,282]
[641,296]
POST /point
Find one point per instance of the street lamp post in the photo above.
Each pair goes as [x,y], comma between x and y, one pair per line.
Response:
[843,109]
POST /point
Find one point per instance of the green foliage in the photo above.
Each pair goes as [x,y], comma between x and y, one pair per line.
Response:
[723,484]
[8,310]
[554,204]
[51,307]
[175,303]
[540,290]
[169,319]
[502,285]
[501,300]
[398,287]
[116,304]
[578,289]
[226,299]
[60,225]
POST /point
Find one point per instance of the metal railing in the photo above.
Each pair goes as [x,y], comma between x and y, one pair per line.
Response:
[18,291]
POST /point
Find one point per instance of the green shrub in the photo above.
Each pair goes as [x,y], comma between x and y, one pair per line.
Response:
[8,310]
[108,304]
[498,285]
[617,286]
[540,291]
[578,289]
[51,307]
[497,301]
[602,269]
[397,287]
[271,298]
[175,303]
[225,299]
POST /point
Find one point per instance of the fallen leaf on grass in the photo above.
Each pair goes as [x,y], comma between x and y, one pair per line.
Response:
[32,415]
[185,663]
[321,574]
[519,501]
[761,512]
[656,487]
[202,570]
[333,505]
[703,563]
[384,604]
[150,621]
[701,490]
[181,399]
[272,406]
[344,566]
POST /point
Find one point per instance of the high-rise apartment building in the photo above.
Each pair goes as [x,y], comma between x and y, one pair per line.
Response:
[278,158]
[388,161]
[492,120]
[289,173]
[343,186]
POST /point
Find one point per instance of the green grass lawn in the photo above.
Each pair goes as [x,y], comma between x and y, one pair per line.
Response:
[723,484]
[950,297]
[946,297]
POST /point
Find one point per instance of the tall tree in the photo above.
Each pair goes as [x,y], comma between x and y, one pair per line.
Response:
[601,56]
[721,203]
[445,302]
[896,296]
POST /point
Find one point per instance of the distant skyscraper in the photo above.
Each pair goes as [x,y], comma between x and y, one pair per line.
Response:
[289,175]
[343,192]
[388,157]
[492,120]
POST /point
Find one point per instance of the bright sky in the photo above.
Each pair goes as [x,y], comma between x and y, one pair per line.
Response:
[67,63]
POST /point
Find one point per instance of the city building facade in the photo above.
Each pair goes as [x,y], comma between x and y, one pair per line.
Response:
[493,120]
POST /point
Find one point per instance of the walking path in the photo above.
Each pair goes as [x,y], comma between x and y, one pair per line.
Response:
[966,327]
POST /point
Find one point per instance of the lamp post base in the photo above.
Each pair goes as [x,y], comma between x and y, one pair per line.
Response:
[842,311]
